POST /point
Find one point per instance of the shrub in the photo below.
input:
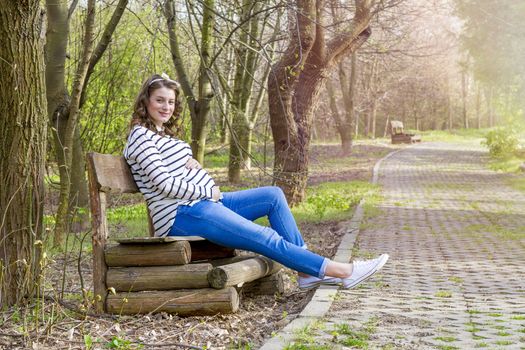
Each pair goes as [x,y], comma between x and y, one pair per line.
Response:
[501,142]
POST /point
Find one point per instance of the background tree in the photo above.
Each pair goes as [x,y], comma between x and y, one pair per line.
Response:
[493,37]
[295,83]
[251,73]
[62,221]
[199,103]
[64,108]
[23,133]
[408,70]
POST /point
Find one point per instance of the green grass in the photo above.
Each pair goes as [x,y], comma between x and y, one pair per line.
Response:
[456,279]
[456,135]
[333,201]
[217,159]
[300,346]
[500,231]
[304,338]
[504,334]
[509,164]
[352,338]
[517,184]
[443,294]
[504,342]
[473,329]
[446,339]
[129,220]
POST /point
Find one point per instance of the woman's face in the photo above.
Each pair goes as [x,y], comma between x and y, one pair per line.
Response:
[161,105]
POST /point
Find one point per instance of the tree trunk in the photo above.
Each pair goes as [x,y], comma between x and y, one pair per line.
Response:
[199,106]
[62,222]
[295,84]
[449,112]
[242,124]
[23,137]
[368,124]
[228,81]
[292,146]
[464,92]
[490,111]
[348,87]
[78,197]
[348,91]
[373,117]
[478,106]
[344,130]
[385,130]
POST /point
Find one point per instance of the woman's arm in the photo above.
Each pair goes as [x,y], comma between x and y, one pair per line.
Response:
[143,151]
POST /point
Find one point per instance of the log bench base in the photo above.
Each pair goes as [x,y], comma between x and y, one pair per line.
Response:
[183,302]
[152,274]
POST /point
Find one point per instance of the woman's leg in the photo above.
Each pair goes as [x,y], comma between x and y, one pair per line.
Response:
[223,226]
[266,201]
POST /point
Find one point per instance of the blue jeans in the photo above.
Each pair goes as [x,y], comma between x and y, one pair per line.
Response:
[229,223]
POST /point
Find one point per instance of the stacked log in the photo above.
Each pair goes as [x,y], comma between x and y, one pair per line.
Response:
[242,271]
[186,277]
[184,302]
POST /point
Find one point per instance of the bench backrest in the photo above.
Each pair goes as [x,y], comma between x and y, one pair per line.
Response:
[107,173]
[396,127]
[111,173]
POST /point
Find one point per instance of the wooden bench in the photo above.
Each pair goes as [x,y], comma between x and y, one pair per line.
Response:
[399,136]
[183,275]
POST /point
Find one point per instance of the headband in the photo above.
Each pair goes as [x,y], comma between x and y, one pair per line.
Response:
[165,77]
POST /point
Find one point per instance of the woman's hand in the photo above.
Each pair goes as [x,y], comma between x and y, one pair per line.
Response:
[193,164]
[215,193]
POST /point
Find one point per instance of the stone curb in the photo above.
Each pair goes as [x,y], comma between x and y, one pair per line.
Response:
[325,295]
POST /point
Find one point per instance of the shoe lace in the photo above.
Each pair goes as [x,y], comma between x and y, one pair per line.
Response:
[363,264]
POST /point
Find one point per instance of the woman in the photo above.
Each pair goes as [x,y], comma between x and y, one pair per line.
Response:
[183,199]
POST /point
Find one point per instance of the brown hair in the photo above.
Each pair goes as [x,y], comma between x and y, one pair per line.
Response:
[140,113]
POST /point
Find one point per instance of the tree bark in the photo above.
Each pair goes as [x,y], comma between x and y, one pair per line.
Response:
[345,133]
[23,137]
[348,87]
[464,96]
[490,110]
[373,117]
[295,83]
[478,106]
[62,222]
[449,108]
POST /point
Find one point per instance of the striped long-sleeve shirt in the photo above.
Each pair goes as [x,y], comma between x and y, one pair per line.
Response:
[158,167]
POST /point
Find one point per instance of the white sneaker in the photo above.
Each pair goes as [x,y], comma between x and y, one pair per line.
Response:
[312,282]
[364,270]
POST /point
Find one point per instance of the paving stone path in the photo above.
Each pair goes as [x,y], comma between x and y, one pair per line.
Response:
[455,232]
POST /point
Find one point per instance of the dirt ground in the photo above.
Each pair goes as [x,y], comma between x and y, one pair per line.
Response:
[64,325]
